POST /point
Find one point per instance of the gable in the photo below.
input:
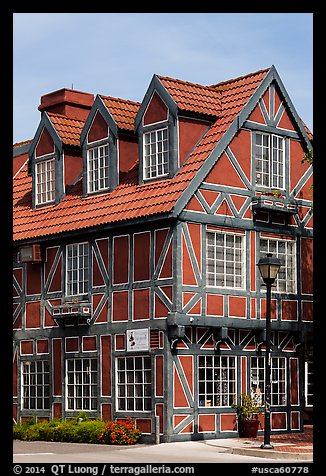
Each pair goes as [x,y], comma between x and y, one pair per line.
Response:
[45,144]
[156,111]
[225,173]
[267,104]
[98,129]
[257,115]
[274,109]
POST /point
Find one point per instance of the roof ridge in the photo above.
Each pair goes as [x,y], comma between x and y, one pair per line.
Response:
[238,78]
[130,101]
[19,144]
[168,78]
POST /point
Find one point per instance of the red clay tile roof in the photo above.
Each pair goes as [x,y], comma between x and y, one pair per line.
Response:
[68,129]
[235,93]
[20,144]
[193,97]
[309,133]
[122,110]
[131,200]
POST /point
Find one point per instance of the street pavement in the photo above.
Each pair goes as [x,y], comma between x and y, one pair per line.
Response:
[293,448]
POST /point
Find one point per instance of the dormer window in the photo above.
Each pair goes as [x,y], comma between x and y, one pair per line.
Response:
[98,168]
[99,141]
[156,124]
[156,153]
[45,181]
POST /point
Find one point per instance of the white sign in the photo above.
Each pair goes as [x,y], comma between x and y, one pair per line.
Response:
[137,339]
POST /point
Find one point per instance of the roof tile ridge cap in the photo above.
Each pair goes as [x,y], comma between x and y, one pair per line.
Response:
[23,142]
[239,78]
[130,101]
[168,78]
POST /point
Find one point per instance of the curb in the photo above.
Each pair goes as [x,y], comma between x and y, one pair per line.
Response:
[272,454]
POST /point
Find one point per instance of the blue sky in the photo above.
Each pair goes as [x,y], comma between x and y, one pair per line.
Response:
[116,54]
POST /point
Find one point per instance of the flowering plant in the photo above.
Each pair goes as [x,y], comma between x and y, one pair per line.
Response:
[249,407]
[120,432]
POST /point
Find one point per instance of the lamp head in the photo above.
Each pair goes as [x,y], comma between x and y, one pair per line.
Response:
[269,267]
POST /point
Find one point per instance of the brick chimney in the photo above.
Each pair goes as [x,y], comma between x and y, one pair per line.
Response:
[69,102]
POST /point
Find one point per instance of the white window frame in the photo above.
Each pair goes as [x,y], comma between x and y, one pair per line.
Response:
[308,394]
[156,153]
[217,274]
[286,279]
[278,378]
[274,159]
[219,377]
[45,181]
[77,277]
[35,384]
[98,173]
[82,384]
[132,381]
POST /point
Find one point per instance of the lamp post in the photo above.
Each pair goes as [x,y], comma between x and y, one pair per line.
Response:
[268,267]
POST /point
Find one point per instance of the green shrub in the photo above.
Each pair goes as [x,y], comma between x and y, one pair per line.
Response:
[18,432]
[89,431]
[86,431]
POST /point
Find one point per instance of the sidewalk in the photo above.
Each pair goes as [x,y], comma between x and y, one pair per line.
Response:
[297,446]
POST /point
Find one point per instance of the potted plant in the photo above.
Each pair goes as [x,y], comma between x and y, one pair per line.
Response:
[248,410]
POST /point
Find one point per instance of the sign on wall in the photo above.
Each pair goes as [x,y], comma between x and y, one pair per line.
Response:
[137,339]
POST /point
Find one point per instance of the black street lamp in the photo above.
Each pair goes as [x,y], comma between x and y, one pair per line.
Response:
[268,267]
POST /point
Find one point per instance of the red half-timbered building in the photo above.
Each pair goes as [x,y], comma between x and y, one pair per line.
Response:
[137,232]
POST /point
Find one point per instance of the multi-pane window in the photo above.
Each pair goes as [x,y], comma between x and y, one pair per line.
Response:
[82,384]
[35,385]
[284,250]
[77,269]
[156,159]
[217,381]
[98,168]
[134,383]
[269,153]
[278,379]
[309,383]
[225,260]
[45,181]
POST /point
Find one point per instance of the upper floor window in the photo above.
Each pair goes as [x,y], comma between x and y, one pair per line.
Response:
[269,154]
[225,260]
[98,168]
[45,181]
[156,157]
[285,250]
[77,268]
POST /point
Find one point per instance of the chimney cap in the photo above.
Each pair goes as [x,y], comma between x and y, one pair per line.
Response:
[66,96]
